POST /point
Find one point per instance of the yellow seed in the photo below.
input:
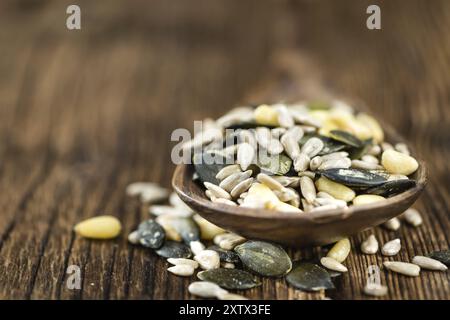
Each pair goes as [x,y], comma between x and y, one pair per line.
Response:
[337,190]
[266,115]
[285,207]
[101,227]
[262,193]
[367,198]
[373,125]
[207,230]
[347,122]
[340,250]
[166,221]
[398,163]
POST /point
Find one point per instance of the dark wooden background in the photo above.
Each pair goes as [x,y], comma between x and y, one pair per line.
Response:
[84,113]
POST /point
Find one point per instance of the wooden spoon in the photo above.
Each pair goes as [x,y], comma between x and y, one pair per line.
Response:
[296,230]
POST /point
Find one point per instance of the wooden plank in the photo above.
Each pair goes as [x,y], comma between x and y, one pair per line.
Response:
[84,114]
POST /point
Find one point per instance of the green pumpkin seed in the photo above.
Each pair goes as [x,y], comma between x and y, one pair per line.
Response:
[353,177]
[173,249]
[208,169]
[346,138]
[264,258]
[443,256]
[357,153]
[278,165]
[392,188]
[233,279]
[186,228]
[225,255]
[151,234]
[309,277]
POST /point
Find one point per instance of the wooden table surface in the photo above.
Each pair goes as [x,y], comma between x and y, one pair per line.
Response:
[84,113]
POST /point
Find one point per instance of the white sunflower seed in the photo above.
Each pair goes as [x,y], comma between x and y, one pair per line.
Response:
[315,163]
[269,181]
[295,132]
[370,245]
[301,162]
[336,163]
[245,155]
[392,224]
[278,132]
[429,263]
[323,202]
[393,177]
[375,289]
[206,289]
[332,264]
[227,171]
[386,146]
[324,208]
[224,201]
[227,265]
[308,174]
[375,150]
[308,189]
[413,217]
[162,210]
[241,187]
[312,147]
[287,181]
[307,207]
[208,259]
[286,194]
[235,116]
[290,145]
[391,248]
[183,270]
[265,140]
[153,195]
[183,261]
[359,164]
[233,180]
[217,191]
[285,118]
[247,136]
[228,241]
[303,118]
[210,195]
[403,148]
[405,268]
[370,158]
[196,247]
[335,155]
[133,237]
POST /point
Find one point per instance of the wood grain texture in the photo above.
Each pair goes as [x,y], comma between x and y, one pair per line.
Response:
[84,113]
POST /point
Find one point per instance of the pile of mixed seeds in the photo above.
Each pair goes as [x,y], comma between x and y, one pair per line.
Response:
[299,158]
[294,158]
[231,262]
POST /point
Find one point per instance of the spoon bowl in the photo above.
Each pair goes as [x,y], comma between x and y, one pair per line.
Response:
[293,229]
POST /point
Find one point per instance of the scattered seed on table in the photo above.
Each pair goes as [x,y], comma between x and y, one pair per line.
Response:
[133,237]
[206,289]
[392,224]
[332,264]
[429,263]
[391,248]
[196,247]
[208,259]
[183,270]
[340,250]
[405,268]
[100,227]
[375,289]
[183,261]
[413,217]
[370,245]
